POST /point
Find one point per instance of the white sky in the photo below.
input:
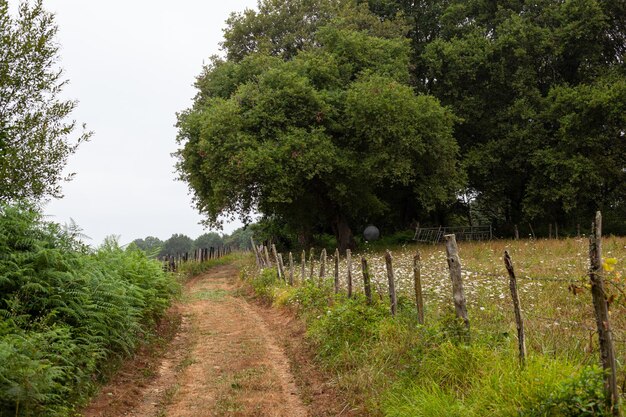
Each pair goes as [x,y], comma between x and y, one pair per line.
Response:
[131,65]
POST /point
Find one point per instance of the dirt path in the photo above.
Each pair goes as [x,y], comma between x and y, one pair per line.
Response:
[224,361]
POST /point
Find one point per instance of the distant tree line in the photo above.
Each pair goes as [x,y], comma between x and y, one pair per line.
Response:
[180,243]
[328,115]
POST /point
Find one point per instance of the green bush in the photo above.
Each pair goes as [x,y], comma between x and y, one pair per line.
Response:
[66,310]
[346,326]
[581,395]
[310,299]
[264,284]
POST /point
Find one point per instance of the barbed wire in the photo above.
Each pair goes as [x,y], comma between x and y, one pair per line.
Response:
[573,280]
[553,320]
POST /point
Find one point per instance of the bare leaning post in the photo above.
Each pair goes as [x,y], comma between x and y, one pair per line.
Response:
[417,284]
[601,308]
[454,265]
[519,321]
[392,284]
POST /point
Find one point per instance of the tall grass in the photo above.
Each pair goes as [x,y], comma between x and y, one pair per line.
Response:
[396,367]
[192,268]
[66,311]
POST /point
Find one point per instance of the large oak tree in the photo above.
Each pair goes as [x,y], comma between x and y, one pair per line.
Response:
[317,138]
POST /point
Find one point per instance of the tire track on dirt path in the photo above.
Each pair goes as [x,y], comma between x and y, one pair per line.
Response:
[235,366]
[224,362]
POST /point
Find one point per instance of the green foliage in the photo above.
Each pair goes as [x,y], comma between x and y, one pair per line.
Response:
[538,88]
[177,244]
[346,327]
[208,240]
[278,28]
[36,137]
[264,284]
[318,140]
[310,300]
[151,245]
[65,312]
[581,395]
[240,238]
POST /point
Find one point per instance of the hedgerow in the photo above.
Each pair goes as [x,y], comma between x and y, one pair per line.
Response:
[66,311]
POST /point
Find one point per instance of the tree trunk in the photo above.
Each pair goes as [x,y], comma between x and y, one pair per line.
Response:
[305,238]
[343,233]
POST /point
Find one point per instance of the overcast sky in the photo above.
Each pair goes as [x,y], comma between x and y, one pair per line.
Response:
[131,66]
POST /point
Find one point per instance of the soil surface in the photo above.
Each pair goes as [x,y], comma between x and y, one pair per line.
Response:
[229,357]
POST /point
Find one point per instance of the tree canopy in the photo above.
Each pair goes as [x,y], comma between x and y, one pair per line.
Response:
[539,91]
[208,240]
[150,245]
[36,135]
[328,115]
[177,244]
[319,138]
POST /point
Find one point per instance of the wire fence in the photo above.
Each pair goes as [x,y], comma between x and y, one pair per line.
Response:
[578,317]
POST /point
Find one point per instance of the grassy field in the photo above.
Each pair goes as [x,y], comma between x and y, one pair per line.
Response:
[396,367]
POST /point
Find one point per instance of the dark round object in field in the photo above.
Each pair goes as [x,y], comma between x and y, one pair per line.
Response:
[371,233]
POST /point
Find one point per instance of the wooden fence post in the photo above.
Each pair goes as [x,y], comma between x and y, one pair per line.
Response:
[366,280]
[290,269]
[550,231]
[256,254]
[281,267]
[349,266]
[259,251]
[417,284]
[601,307]
[516,233]
[556,230]
[454,265]
[337,271]
[311,262]
[278,268]
[268,263]
[322,266]
[519,321]
[303,266]
[392,283]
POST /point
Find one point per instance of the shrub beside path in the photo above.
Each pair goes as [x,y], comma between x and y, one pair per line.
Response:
[224,361]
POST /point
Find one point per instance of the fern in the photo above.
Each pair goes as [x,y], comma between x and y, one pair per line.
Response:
[65,310]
